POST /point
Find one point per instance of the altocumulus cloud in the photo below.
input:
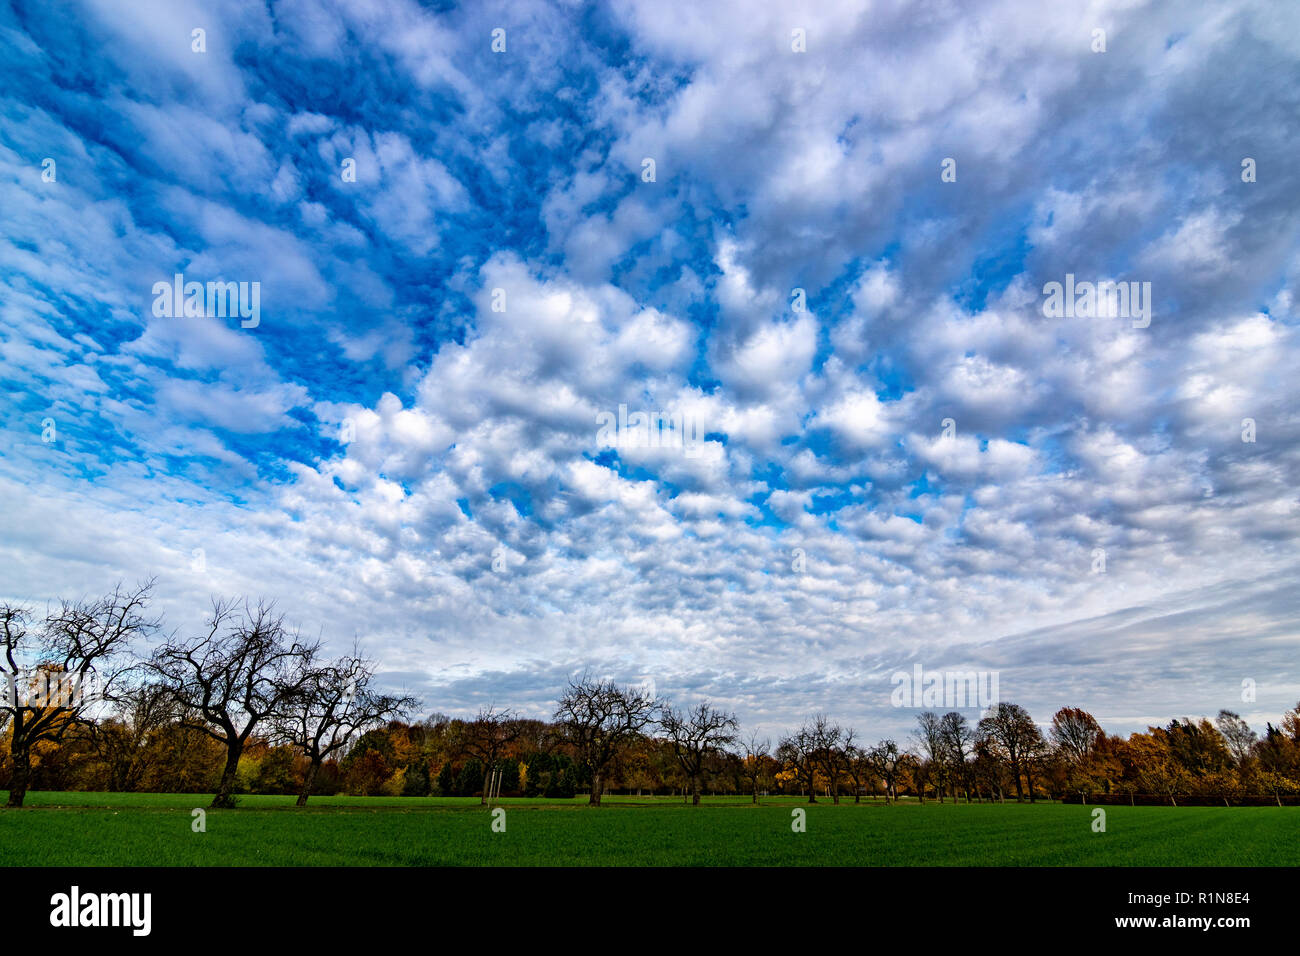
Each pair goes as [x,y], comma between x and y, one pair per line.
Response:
[464,260]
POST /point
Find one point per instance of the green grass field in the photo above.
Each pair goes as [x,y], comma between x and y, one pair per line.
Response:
[99,829]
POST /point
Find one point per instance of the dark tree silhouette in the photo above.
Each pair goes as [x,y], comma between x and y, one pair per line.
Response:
[694,735]
[244,670]
[55,678]
[1013,737]
[331,706]
[598,718]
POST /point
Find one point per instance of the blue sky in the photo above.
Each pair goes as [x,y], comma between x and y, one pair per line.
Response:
[919,466]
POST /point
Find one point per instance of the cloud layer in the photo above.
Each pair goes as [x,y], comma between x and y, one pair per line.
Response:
[899,458]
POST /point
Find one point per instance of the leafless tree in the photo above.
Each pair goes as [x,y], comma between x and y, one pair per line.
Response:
[694,735]
[487,736]
[1075,732]
[756,761]
[930,748]
[1012,736]
[244,669]
[958,746]
[598,718]
[831,745]
[330,707]
[798,752]
[859,770]
[885,761]
[55,678]
[1238,735]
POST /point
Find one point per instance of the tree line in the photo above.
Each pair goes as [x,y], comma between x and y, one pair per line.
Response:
[247,705]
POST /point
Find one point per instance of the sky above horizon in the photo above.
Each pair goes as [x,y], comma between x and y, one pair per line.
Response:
[905,462]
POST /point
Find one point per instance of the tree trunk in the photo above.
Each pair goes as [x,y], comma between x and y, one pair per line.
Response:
[22,773]
[695,792]
[309,781]
[227,786]
[594,799]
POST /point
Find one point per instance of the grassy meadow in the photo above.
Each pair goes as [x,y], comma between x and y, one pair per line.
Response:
[112,829]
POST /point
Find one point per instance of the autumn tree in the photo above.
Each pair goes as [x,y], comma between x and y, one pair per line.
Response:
[122,740]
[694,735]
[55,677]
[1036,758]
[597,719]
[756,762]
[244,669]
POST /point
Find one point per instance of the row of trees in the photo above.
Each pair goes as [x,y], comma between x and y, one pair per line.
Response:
[245,672]
[248,705]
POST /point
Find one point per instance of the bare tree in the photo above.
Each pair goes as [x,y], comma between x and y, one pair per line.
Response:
[1075,732]
[245,669]
[696,734]
[54,680]
[799,751]
[859,770]
[1238,735]
[885,761]
[487,736]
[930,746]
[1012,736]
[756,761]
[332,705]
[958,745]
[831,747]
[597,719]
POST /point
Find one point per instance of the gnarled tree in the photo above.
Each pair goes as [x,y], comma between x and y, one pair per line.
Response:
[244,669]
[885,761]
[694,735]
[487,737]
[331,705]
[597,719]
[832,750]
[55,678]
[798,754]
